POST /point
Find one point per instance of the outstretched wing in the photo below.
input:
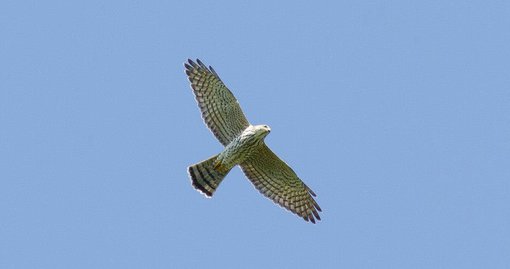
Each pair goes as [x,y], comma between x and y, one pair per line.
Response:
[276,180]
[220,109]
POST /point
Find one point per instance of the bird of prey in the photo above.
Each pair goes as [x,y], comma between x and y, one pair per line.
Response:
[244,146]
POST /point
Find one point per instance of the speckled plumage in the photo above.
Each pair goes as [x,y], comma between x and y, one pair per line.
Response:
[244,146]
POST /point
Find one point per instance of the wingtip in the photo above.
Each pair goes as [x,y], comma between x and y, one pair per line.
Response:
[213,71]
[192,63]
[316,214]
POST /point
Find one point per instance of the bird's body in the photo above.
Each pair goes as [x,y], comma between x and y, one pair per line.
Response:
[244,146]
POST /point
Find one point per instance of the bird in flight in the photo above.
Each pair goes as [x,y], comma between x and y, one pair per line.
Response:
[244,146]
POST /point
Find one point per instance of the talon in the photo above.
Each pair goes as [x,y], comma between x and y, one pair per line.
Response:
[217,166]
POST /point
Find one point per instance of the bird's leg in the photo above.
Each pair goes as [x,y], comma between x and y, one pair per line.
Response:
[218,166]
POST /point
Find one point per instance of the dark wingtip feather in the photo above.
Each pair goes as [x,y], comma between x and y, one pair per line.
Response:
[202,65]
[312,193]
[316,215]
[192,63]
[309,190]
[212,70]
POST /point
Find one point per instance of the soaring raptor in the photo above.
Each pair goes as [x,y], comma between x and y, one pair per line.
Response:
[244,146]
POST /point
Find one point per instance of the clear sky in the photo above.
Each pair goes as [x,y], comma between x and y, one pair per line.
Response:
[396,113]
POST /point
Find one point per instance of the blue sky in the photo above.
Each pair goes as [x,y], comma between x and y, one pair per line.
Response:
[396,113]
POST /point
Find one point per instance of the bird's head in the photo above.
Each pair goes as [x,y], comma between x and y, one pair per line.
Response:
[262,130]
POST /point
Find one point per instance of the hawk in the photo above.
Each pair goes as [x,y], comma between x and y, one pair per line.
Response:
[244,146]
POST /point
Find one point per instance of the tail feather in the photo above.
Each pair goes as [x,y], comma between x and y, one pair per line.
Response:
[204,177]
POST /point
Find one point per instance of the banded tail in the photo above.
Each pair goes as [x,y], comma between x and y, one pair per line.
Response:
[204,177]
